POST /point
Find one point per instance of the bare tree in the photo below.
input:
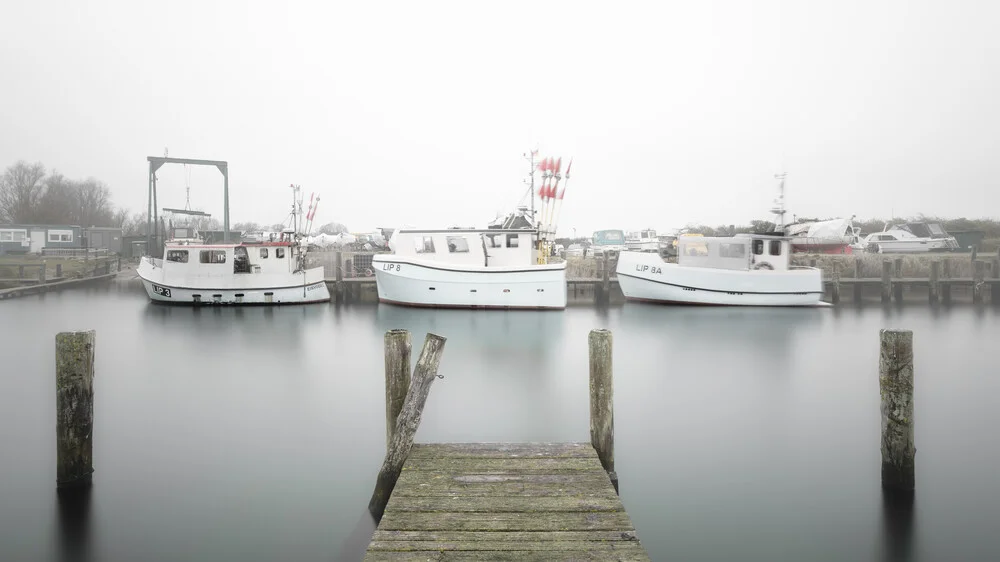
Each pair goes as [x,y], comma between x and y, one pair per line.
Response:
[93,203]
[21,189]
[333,228]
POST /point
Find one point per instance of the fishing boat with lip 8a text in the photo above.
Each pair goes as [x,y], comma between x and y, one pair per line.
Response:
[505,266]
[746,269]
[235,273]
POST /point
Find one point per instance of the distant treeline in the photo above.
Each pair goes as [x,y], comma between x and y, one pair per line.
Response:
[29,194]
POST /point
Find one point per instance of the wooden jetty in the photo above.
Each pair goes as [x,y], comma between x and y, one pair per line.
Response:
[101,272]
[499,501]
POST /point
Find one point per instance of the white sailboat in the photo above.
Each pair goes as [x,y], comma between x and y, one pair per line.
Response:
[505,266]
[266,272]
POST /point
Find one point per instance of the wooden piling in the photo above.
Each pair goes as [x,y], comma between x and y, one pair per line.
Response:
[602,411]
[398,347]
[975,252]
[895,375]
[835,288]
[946,285]
[978,281]
[886,281]
[74,408]
[934,288]
[605,280]
[20,271]
[858,287]
[897,288]
[41,273]
[59,270]
[407,423]
[338,287]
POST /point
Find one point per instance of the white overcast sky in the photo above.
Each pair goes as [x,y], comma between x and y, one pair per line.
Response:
[418,112]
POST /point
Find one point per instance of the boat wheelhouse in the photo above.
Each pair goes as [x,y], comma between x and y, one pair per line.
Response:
[469,268]
[642,241]
[746,269]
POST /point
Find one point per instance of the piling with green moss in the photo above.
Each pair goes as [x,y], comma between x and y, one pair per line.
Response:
[74,408]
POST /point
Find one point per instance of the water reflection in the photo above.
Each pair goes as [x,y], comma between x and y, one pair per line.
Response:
[897,526]
[356,543]
[74,524]
[222,323]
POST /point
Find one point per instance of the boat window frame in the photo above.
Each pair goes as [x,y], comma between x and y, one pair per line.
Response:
[774,244]
[516,238]
[758,247]
[205,257]
[263,253]
[726,250]
[456,243]
[279,253]
[422,243]
[171,253]
[494,241]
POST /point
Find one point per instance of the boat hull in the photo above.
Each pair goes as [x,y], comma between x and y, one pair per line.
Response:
[313,289]
[645,277]
[410,282]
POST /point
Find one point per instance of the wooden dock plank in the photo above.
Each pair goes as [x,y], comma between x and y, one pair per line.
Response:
[502,450]
[499,501]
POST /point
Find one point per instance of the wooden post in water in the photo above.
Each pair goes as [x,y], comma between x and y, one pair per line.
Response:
[886,281]
[897,288]
[74,408]
[41,273]
[602,406]
[20,272]
[858,288]
[978,281]
[934,289]
[58,270]
[946,285]
[338,266]
[895,376]
[397,377]
[605,279]
[406,424]
[975,252]
[835,289]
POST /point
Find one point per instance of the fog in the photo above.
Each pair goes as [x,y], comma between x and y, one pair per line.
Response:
[419,113]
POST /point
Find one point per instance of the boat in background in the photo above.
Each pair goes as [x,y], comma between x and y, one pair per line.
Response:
[743,270]
[642,241]
[193,272]
[834,236]
[909,238]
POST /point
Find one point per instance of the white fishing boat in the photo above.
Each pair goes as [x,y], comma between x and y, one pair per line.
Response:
[642,241]
[500,267]
[192,272]
[747,270]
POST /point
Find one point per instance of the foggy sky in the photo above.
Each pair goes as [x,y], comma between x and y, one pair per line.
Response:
[418,112]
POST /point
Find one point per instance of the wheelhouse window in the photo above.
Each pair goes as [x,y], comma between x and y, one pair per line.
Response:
[424,244]
[458,245]
[263,253]
[512,240]
[729,250]
[494,241]
[279,253]
[758,247]
[179,256]
[775,248]
[213,256]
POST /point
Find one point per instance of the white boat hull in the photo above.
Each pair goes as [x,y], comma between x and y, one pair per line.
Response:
[412,282]
[291,289]
[646,277]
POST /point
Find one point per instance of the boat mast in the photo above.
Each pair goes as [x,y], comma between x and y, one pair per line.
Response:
[779,203]
[530,157]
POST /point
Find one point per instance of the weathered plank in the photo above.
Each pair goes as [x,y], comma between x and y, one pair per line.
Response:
[505,521]
[507,546]
[502,450]
[519,536]
[397,377]
[517,556]
[574,483]
[524,504]
[895,371]
[74,408]
[516,464]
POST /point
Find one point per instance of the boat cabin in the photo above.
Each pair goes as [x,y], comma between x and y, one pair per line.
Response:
[226,259]
[740,252]
[467,246]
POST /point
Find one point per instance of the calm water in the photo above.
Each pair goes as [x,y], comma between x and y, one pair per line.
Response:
[256,433]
